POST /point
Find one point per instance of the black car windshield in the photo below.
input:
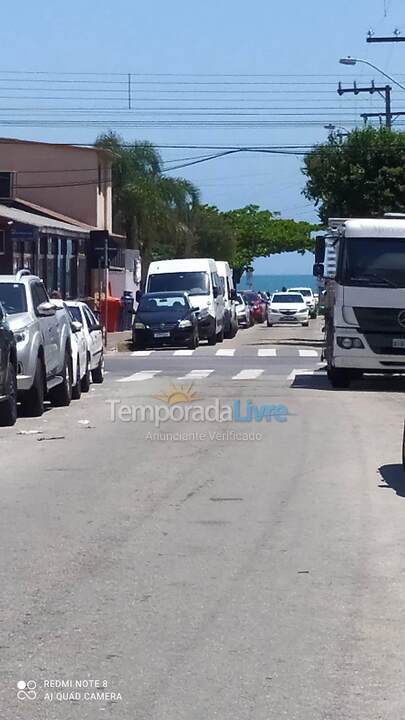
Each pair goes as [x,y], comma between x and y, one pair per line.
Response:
[13,298]
[287,298]
[195,283]
[172,303]
[75,313]
[373,262]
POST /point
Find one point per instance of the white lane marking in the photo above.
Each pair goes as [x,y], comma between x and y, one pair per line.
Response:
[226,352]
[307,353]
[183,353]
[248,374]
[300,371]
[196,375]
[142,353]
[267,352]
[139,376]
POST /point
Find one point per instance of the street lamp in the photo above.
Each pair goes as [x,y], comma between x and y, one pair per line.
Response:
[352,61]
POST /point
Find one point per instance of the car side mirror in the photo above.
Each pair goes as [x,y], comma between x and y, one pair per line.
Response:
[318,270]
[76,326]
[138,296]
[215,292]
[46,309]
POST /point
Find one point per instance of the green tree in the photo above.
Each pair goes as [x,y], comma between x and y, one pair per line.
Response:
[259,234]
[149,207]
[362,177]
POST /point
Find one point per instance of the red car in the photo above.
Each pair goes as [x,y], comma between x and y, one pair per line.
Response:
[257,305]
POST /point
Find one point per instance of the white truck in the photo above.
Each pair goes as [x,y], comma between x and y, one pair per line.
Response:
[362,263]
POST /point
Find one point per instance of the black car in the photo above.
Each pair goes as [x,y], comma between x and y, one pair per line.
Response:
[165,318]
[8,373]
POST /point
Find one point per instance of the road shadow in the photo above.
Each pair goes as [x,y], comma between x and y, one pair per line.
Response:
[369,383]
[394,477]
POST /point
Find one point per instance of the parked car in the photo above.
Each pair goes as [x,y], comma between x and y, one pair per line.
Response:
[243,311]
[93,335]
[229,293]
[79,350]
[165,318]
[43,338]
[309,297]
[257,305]
[199,278]
[8,373]
[288,308]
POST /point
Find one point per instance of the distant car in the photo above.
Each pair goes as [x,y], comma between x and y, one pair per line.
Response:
[242,311]
[289,308]
[257,305]
[94,367]
[309,297]
[165,318]
[8,373]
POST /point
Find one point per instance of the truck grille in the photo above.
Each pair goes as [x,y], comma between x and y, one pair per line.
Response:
[383,320]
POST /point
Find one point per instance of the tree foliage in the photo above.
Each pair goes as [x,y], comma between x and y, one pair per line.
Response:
[362,177]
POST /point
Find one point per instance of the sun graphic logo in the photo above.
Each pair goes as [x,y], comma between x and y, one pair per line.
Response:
[179,395]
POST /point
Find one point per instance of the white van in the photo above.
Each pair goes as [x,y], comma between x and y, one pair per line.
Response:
[198,277]
[226,277]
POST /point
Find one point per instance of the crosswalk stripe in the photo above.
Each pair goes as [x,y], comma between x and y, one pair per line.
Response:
[248,374]
[142,353]
[183,353]
[139,376]
[226,352]
[307,353]
[196,375]
[299,371]
[267,352]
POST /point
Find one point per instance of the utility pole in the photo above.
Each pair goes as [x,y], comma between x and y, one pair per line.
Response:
[384,91]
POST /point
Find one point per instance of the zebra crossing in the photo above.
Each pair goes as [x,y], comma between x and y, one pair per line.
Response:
[205,373]
[231,352]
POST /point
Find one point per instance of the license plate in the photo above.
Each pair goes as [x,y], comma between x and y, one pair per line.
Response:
[398,343]
[161,334]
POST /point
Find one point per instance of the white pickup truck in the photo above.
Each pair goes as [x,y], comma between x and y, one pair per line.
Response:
[43,337]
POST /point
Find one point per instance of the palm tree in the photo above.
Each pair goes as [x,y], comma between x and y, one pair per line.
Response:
[154,211]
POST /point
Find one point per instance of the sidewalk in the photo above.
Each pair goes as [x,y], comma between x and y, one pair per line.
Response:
[119,341]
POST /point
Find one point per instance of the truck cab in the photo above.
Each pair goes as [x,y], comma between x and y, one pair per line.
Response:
[364,261]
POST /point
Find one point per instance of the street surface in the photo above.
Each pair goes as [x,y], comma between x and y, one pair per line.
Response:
[210,577]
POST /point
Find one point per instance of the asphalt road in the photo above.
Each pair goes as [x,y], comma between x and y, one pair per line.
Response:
[213,576]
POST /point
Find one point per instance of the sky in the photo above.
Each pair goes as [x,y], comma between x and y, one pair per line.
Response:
[292,42]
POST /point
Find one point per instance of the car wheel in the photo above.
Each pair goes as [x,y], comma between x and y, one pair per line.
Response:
[339,377]
[8,408]
[305,324]
[33,400]
[98,373]
[220,336]
[77,389]
[61,395]
[212,339]
[268,323]
[86,380]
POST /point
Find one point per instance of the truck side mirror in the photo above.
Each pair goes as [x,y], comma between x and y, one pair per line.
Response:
[318,270]
[320,249]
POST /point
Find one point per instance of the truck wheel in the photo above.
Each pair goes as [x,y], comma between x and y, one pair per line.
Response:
[61,395]
[86,380]
[98,373]
[339,377]
[33,400]
[77,389]
[8,408]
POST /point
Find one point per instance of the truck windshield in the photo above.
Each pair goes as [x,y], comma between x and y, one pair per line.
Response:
[195,283]
[373,262]
[13,298]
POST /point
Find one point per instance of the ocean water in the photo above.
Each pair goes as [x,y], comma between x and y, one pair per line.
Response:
[276,282]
